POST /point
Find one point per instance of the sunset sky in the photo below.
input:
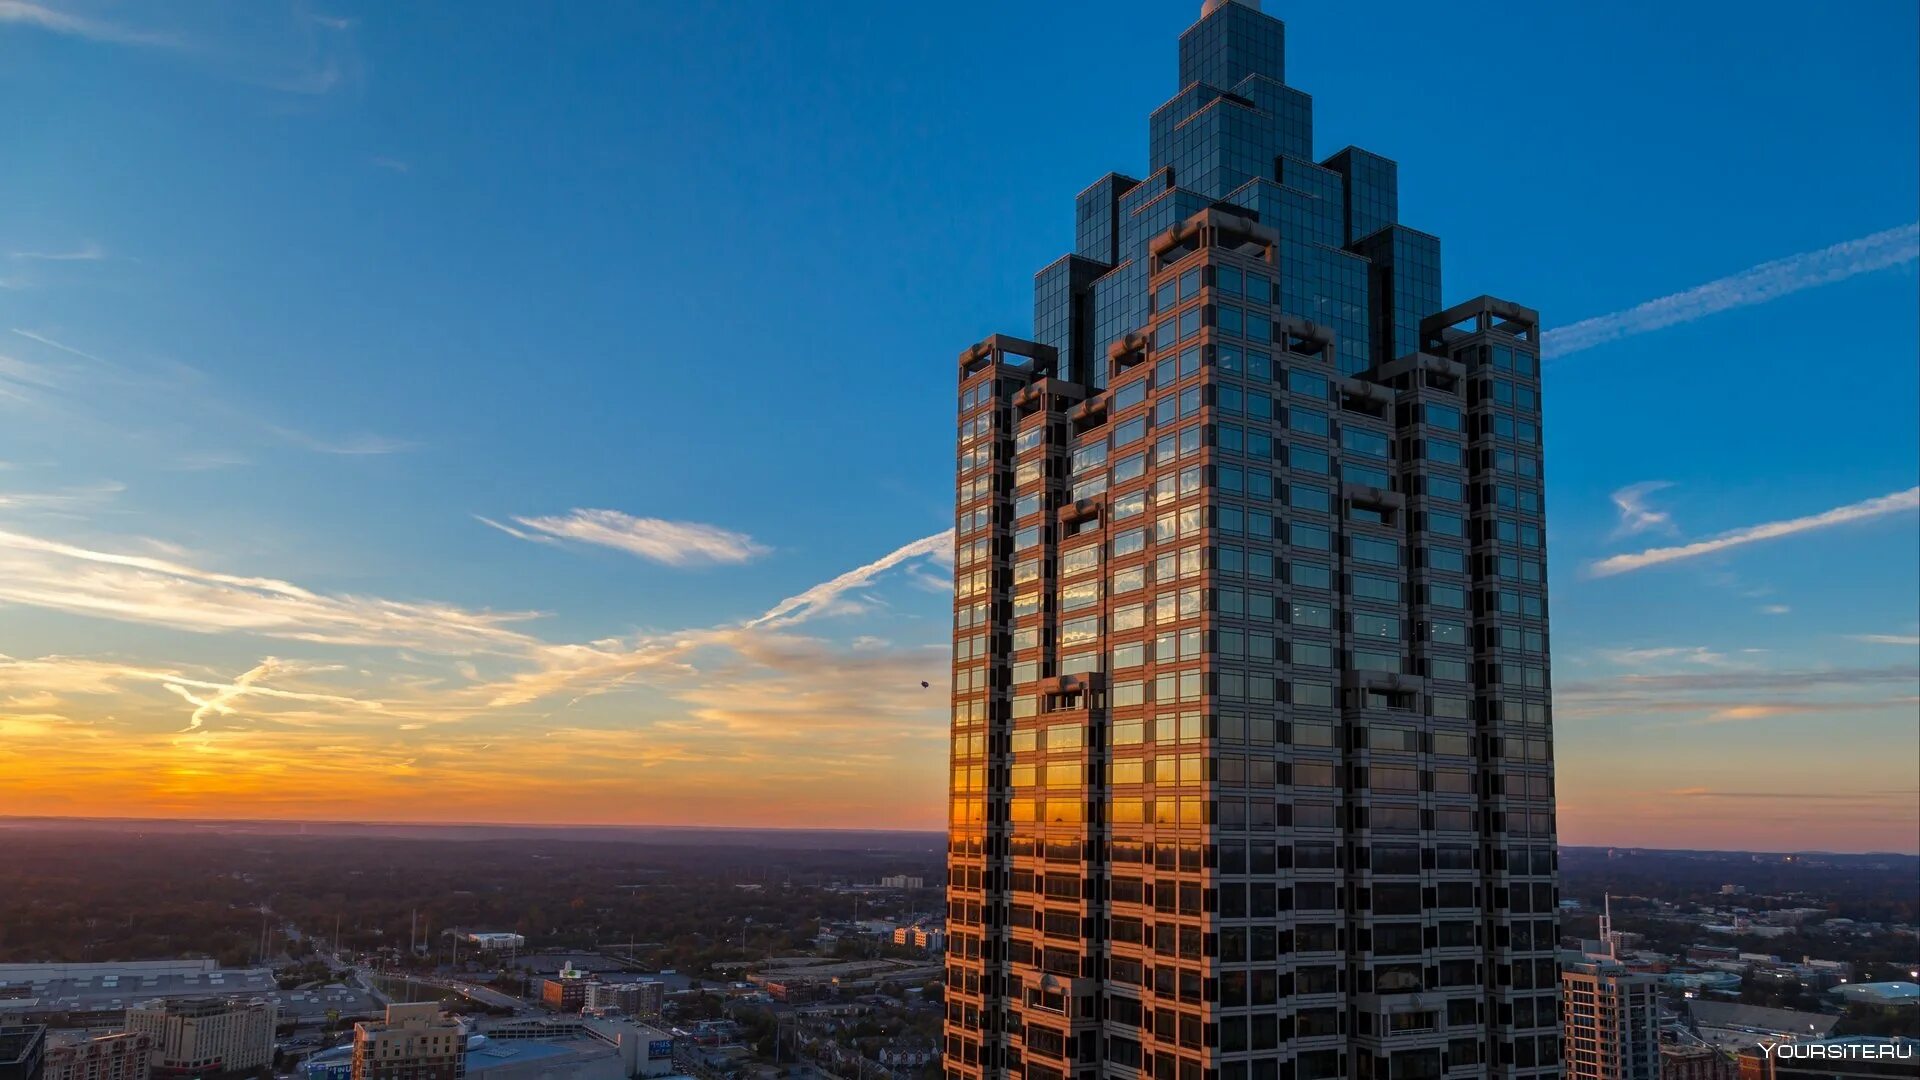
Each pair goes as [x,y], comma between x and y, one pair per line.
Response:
[469,412]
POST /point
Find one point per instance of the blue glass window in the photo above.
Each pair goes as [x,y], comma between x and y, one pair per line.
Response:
[1368,549]
[1363,442]
[1309,497]
[1310,537]
[1354,473]
[1311,421]
[1309,384]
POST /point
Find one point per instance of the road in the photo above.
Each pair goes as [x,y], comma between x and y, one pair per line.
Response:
[486,995]
[490,996]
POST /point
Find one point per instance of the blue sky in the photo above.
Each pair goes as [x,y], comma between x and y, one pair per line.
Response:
[310,295]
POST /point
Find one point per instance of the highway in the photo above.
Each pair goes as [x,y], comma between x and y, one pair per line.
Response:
[486,995]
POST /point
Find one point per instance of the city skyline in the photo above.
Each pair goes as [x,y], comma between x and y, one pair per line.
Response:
[352,474]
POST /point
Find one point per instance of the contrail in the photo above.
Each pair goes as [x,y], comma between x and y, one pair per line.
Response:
[1898,502]
[1768,281]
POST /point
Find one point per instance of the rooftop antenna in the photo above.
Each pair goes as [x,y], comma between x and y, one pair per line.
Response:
[1606,927]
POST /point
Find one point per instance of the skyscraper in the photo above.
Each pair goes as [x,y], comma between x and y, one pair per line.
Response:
[1251,749]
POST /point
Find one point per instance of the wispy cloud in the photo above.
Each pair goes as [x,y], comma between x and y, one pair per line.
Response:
[22,275]
[1768,796]
[102,384]
[363,445]
[1635,515]
[87,252]
[1775,609]
[1735,693]
[50,343]
[1898,502]
[278,48]
[391,165]
[1687,654]
[62,500]
[672,543]
[220,702]
[51,574]
[812,730]
[830,596]
[602,666]
[20,379]
[1907,640]
[1744,681]
[1771,709]
[1757,285]
[58,21]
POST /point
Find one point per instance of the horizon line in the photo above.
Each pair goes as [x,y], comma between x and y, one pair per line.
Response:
[15,820]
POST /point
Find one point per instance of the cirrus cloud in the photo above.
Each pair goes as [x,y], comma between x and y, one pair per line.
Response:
[55,575]
[671,543]
[1895,503]
[1755,285]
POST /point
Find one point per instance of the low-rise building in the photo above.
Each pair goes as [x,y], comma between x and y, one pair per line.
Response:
[1696,1063]
[567,990]
[1732,1025]
[929,938]
[493,941]
[123,1055]
[521,1028]
[907,1056]
[642,998]
[568,1059]
[593,1049]
[333,1064]
[196,1036]
[416,1042]
[99,995]
[1884,995]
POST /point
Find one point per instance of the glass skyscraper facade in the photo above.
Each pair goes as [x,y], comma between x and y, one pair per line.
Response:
[1251,751]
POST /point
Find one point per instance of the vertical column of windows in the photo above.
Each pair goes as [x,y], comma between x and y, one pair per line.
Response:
[1508,564]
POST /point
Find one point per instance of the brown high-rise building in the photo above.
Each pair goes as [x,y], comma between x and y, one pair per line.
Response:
[1612,1018]
[1251,755]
